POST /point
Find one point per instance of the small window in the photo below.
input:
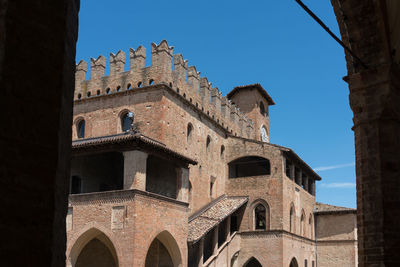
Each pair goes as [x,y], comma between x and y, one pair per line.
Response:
[208,143]
[80,129]
[79,96]
[262,108]
[129,86]
[126,121]
[222,152]
[189,132]
[249,166]
[76,185]
[211,188]
[305,263]
[291,222]
[139,84]
[108,90]
[118,88]
[89,94]
[259,217]
[98,92]
[151,82]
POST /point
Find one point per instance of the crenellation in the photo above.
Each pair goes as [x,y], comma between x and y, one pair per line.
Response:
[97,67]
[137,58]
[193,79]
[180,67]
[117,62]
[183,79]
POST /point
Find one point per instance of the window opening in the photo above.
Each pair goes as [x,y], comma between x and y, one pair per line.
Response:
[80,129]
[249,166]
[126,121]
[260,216]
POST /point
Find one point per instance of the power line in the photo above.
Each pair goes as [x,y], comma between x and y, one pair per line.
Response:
[320,22]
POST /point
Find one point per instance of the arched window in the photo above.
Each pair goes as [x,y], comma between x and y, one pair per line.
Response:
[189,132]
[264,134]
[294,263]
[80,129]
[249,166]
[126,121]
[302,223]
[222,152]
[292,216]
[208,143]
[253,262]
[260,217]
[151,82]
[262,108]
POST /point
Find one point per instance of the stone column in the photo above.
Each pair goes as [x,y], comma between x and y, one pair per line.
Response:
[228,227]
[183,184]
[135,163]
[200,253]
[215,240]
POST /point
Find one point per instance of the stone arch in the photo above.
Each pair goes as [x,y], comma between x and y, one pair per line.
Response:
[234,259]
[80,127]
[121,115]
[293,263]
[164,241]
[292,218]
[252,262]
[252,215]
[85,239]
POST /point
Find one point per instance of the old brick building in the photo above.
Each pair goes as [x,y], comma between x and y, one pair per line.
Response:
[168,172]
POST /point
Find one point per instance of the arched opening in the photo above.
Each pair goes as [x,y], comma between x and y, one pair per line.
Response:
[93,249]
[302,223]
[291,222]
[260,215]
[264,134]
[222,153]
[80,129]
[294,263]
[126,121]
[189,132]
[208,143]
[249,166]
[252,262]
[262,108]
[163,252]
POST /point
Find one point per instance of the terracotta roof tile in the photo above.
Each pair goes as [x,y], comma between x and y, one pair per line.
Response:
[326,208]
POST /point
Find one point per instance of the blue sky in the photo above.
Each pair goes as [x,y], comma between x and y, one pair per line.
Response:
[274,43]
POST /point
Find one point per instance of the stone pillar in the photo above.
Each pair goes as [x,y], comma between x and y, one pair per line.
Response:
[183,184]
[215,240]
[200,253]
[135,163]
[292,174]
[37,64]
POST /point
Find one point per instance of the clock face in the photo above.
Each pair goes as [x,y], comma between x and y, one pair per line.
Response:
[264,135]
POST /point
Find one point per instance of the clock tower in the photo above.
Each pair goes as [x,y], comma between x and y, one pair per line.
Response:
[254,101]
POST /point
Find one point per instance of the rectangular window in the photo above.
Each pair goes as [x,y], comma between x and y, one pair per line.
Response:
[305,263]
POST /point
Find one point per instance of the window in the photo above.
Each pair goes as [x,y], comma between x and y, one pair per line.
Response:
[80,129]
[262,109]
[211,188]
[291,219]
[310,226]
[118,88]
[79,96]
[305,263]
[259,217]
[302,224]
[208,143]
[108,91]
[222,152]
[151,82]
[76,184]
[139,84]
[189,132]
[98,92]
[129,86]
[249,166]
[126,121]
[288,167]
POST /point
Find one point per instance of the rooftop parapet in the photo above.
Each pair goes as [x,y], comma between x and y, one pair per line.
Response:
[161,56]
[97,67]
[137,58]
[205,89]
[193,78]
[180,67]
[80,71]
[117,62]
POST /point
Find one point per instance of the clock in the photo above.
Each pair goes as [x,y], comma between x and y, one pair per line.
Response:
[264,135]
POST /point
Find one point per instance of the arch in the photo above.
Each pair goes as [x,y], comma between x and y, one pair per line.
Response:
[126,120]
[189,132]
[293,263]
[262,108]
[208,143]
[292,217]
[164,243]
[222,152]
[264,133]
[252,262]
[249,166]
[259,213]
[234,259]
[80,128]
[89,240]
[303,223]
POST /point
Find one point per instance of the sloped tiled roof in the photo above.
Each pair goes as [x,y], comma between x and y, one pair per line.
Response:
[128,138]
[249,86]
[320,208]
[205,221]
